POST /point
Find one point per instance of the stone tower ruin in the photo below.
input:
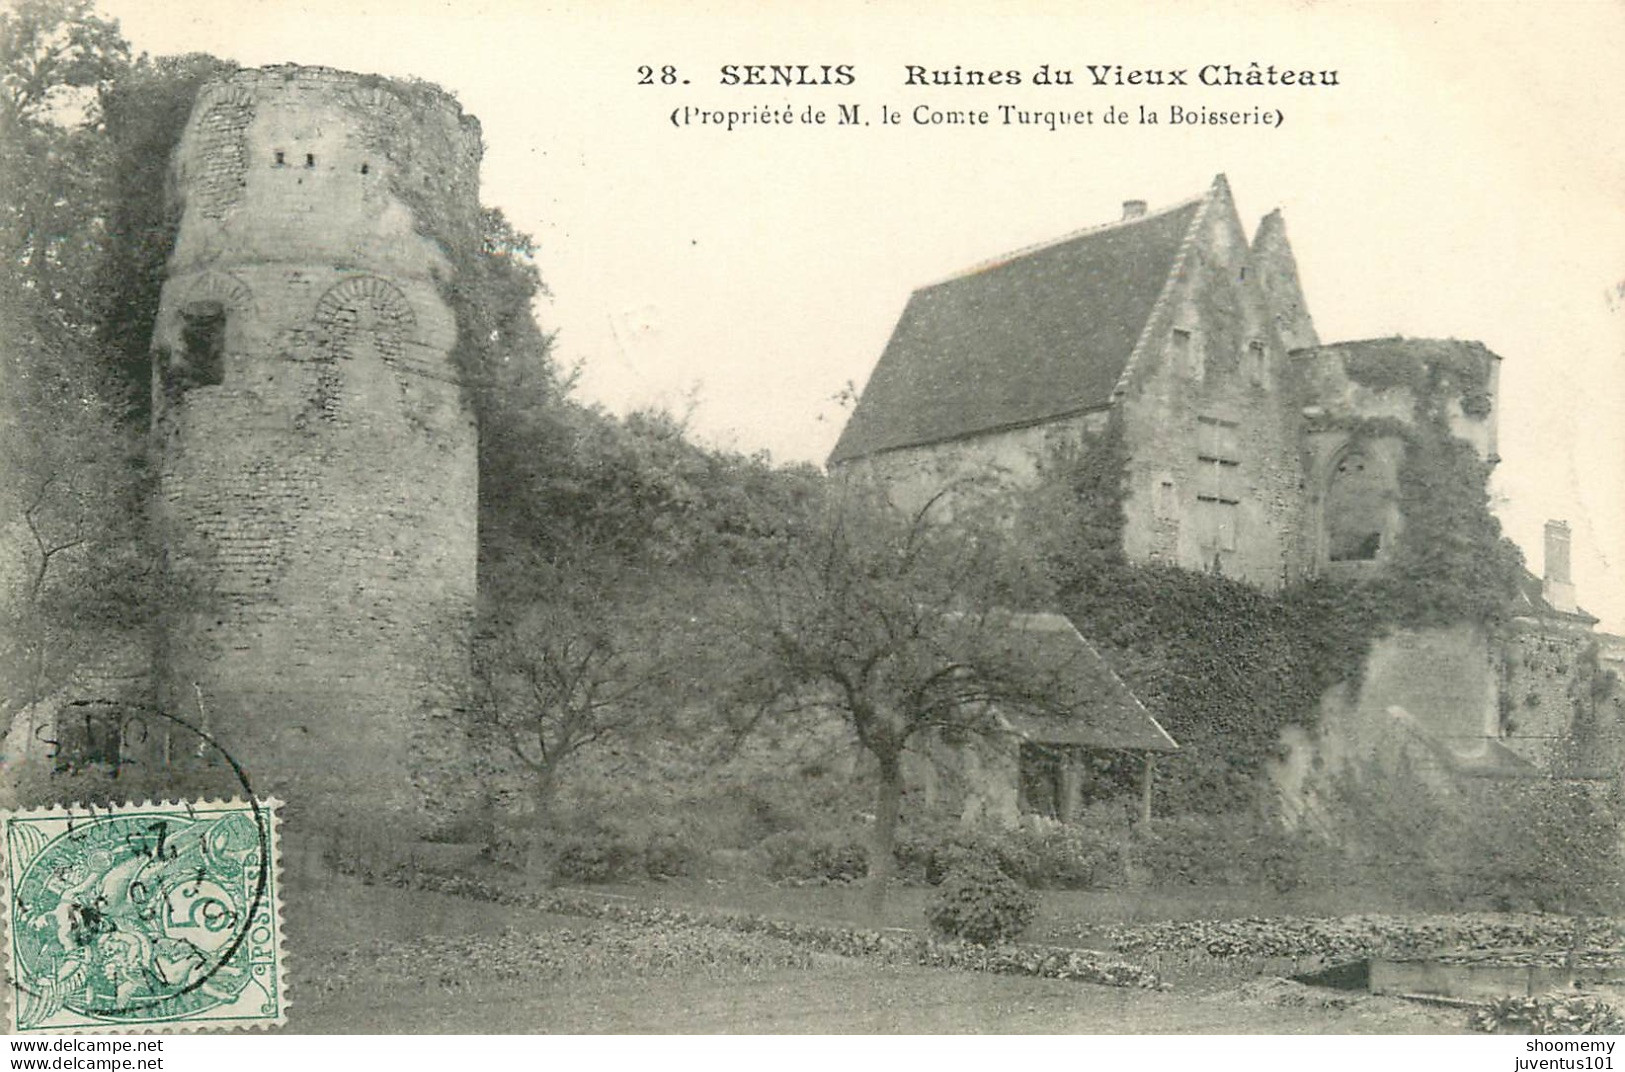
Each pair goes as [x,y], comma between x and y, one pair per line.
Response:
[317,454]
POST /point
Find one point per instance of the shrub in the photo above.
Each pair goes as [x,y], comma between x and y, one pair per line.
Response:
[668,856]
[913,851]
[928,853]
[971,849]
[1538,844]
[799,855]
[507,846]
[595,857]
[980,903]
[1217,850]
[1073,856]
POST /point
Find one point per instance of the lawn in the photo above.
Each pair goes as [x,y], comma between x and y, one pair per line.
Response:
[1062,913]
[378,959]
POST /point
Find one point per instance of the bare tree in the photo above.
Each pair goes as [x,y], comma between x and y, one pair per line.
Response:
[901,624]
[565,664]
[555,681]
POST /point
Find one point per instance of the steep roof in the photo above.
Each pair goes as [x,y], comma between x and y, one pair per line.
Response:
[1035,335]
[1101,710]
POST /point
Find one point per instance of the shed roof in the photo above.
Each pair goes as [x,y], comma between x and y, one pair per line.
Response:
[1100,710]
[1035,335]
[1482,757]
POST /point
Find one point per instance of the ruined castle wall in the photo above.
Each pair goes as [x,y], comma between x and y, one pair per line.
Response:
[1344,419]
[1539,680]
[318,458]
[1430,694]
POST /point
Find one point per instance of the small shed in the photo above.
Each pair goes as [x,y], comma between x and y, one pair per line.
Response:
[1046,760]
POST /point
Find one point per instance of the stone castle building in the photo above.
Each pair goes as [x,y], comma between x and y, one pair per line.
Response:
[316,454]
[1236,422]
[1253,450]
[318,460]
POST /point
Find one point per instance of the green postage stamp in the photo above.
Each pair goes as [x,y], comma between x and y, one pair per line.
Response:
[143,917]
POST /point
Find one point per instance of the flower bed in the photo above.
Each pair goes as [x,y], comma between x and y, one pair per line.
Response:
[1553,1014]
[1361,935]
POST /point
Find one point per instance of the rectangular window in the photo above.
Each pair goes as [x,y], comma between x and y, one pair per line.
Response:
[203,344]
[1217,523]
[1218,460]
[1216,441]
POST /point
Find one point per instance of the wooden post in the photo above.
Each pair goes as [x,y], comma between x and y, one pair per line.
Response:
[1145,786]
[1066,808]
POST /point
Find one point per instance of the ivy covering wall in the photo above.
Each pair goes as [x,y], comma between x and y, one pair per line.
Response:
[1226,667]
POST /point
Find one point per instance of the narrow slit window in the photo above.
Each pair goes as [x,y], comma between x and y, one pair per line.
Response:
[1255,360]
[310,160]
[1167,500]
[1185,353]
[281,158]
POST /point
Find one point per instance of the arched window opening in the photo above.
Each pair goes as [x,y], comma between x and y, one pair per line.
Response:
[1356,506]
[201,361]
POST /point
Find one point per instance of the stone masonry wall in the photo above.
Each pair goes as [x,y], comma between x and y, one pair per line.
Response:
[318,458]
[1214,476]
[1336,403]
[1538,679]
[978,470]
[1417,686]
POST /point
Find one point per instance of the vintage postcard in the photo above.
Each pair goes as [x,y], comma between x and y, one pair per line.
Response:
[872,519]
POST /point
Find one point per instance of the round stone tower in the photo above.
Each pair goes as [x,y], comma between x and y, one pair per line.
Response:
[317,455]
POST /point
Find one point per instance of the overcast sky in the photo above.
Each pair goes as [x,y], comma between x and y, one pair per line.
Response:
[1464,179]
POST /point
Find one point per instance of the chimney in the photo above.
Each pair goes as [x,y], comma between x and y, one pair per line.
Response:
[1557,587]
[1133,210]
